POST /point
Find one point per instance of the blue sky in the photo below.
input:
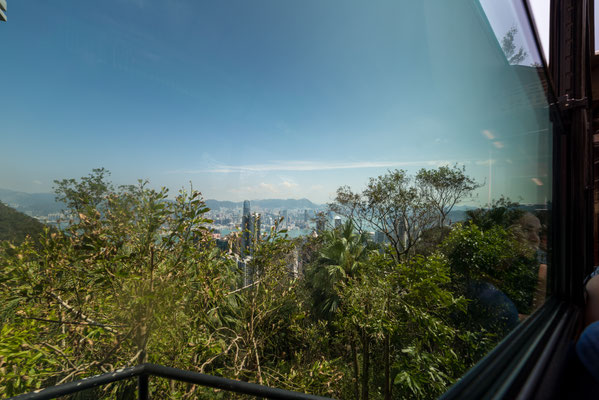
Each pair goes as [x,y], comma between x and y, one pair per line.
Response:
[253,99]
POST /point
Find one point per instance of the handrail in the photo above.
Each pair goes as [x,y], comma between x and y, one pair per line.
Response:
[144,371]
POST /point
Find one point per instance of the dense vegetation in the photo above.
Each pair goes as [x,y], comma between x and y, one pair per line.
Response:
[137,278]
[16,226]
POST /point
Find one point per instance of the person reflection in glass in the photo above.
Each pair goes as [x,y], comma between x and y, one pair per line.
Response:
[529,229]
[511,285]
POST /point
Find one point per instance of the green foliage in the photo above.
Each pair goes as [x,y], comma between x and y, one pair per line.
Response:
[16,227]
[393,316]
[87,193]
[403,207]
[476,254]
[135,277]
[392,205]
[497,256]
[444,187]
[26,362]
[130,270]
[503,212]
[341,257]
[428,336]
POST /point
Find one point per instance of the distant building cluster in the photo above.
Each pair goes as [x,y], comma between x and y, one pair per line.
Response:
[297,222]
[238,231]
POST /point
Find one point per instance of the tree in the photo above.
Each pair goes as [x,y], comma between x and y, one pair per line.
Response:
[425,360]
[390,204]
[136,277]
[495,256]
[503,212]
[87,193]
[399,315]
[342,257]
[509,48]
[16,227]
[268,335]
[444,187]
[404,208]
[133,278]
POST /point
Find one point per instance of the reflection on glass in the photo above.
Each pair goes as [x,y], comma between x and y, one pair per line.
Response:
[375,179]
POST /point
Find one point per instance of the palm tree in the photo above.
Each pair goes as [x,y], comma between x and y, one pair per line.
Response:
[342,257]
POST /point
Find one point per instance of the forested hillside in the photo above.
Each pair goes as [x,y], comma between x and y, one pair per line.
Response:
[16,226]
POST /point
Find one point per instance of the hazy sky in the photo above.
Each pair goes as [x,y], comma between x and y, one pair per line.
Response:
[259,99]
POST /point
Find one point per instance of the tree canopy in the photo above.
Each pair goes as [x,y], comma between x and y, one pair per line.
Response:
[403,207]
[136,277]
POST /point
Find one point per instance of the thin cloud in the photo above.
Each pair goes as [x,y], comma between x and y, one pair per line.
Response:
[288,184]
[269,187]
[261,188]
[488,134]
[244,190]
[312,166]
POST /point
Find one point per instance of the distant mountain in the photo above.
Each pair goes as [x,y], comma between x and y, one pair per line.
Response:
[458,213]
[216,204]
[284,204]
[31,203]
[45,203]
[287,204]
[16,226]
[464,208]
[457,216]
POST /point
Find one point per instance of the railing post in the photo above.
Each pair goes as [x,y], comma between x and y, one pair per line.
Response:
[143,391]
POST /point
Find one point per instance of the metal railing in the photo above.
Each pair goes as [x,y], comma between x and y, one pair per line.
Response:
[143,373]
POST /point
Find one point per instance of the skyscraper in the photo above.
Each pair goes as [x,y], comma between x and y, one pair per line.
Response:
[321,220]
[285,216]
[246,229]
[254,232]
[246,207]
[379,237]
[337,220]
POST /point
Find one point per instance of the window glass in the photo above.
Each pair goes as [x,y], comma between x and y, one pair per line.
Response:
[540,12]
[342,198]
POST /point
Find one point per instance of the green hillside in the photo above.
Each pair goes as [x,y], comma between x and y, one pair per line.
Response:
[16,226]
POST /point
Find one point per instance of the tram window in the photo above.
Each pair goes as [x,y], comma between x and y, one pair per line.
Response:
[379,179]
